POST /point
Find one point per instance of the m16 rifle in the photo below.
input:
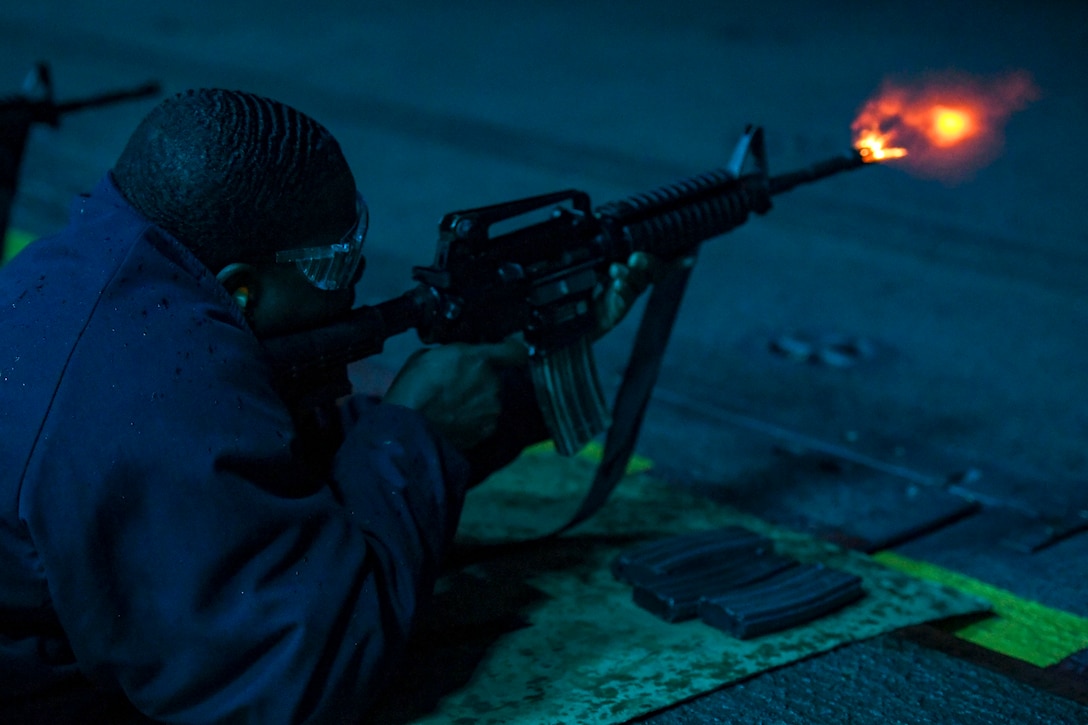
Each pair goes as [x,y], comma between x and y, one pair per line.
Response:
[540,278]
[33,105]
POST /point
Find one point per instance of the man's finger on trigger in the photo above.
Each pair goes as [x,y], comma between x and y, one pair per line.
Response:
[618,271]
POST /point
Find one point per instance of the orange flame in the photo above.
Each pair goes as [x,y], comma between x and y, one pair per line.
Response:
[944,126]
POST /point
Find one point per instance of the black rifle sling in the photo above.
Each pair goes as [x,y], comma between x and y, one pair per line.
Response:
[634,394]
[645,363]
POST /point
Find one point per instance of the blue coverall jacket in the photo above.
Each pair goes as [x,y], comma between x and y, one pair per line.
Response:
[159,538]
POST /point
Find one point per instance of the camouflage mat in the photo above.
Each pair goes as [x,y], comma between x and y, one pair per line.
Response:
[537,631]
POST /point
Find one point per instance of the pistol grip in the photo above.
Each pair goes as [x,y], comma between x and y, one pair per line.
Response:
[568,391]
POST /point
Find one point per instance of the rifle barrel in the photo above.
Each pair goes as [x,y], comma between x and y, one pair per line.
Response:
[817,171]
[102,99]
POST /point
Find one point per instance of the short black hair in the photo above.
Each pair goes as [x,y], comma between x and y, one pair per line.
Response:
[236,176]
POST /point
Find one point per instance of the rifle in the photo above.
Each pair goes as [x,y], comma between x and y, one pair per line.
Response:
[539,279]
[36,105]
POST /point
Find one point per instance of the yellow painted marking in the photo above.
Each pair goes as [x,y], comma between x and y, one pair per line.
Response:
[14,243]
[1019,628]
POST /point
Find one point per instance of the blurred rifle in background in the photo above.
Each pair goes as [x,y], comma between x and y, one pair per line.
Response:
[35,104]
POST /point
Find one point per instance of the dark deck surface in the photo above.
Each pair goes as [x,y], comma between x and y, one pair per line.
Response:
[959,440]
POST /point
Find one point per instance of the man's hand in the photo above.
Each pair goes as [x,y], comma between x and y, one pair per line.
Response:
[626,283]
[457,387]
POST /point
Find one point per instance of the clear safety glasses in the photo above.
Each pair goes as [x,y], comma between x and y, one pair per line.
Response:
[334,266]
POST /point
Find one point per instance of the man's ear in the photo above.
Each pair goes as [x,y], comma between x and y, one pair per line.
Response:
[242,283]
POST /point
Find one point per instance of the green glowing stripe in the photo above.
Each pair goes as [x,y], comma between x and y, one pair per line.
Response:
[14,242]
[1020,628]
[594,452]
